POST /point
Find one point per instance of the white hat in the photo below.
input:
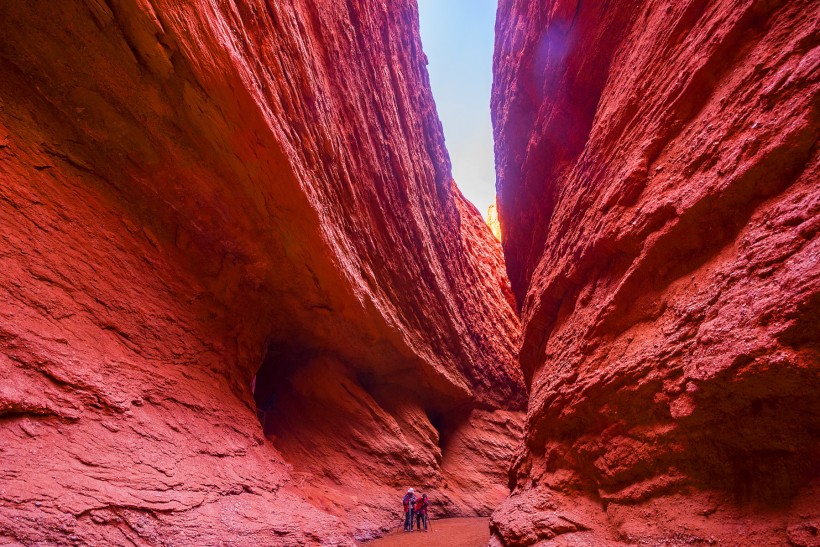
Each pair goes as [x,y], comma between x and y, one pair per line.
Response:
[410,490]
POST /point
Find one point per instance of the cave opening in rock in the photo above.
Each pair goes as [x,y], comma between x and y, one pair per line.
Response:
[279,363]
[447,423]
[437,421]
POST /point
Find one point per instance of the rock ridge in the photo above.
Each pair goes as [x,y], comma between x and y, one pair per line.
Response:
[657,176]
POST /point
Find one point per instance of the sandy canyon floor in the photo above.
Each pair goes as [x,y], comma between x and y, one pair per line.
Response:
[457,532]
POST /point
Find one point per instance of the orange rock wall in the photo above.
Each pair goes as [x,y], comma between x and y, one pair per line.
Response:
[658,190]
[192,193]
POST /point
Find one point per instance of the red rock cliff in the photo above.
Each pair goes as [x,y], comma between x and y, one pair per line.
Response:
[196,192]
[659,199]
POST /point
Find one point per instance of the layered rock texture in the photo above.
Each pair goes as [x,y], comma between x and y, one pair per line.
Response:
[659,199]
[197,197]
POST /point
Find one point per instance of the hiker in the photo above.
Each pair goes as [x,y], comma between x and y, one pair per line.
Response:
[409,502]
[421,511]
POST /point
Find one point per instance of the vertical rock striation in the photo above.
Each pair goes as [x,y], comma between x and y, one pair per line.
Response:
[658,188]
[198,195]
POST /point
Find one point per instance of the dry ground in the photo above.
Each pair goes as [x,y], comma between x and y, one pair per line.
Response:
[460,532]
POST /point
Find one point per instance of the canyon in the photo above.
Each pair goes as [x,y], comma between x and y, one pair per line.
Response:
[243,302]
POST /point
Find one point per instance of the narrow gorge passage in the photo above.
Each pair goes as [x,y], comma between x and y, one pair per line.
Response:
[243,301]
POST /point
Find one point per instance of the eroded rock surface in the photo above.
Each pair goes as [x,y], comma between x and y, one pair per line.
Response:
[194,192]
[658,180]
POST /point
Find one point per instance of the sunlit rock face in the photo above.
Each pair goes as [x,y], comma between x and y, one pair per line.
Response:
[658,180]
[493,222]
[198,196]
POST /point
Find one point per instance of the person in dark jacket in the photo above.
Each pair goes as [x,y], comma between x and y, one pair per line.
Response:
[409,503]
[421,511]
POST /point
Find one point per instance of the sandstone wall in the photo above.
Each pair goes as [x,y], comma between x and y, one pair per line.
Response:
[192,193]
[658,194]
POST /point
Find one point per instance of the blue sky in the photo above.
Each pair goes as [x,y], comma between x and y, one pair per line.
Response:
[458,37]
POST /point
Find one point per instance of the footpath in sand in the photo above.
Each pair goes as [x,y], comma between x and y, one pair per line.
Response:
[460,532]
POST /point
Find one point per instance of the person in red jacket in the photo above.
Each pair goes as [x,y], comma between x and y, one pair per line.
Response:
[409,503]
[421,511]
